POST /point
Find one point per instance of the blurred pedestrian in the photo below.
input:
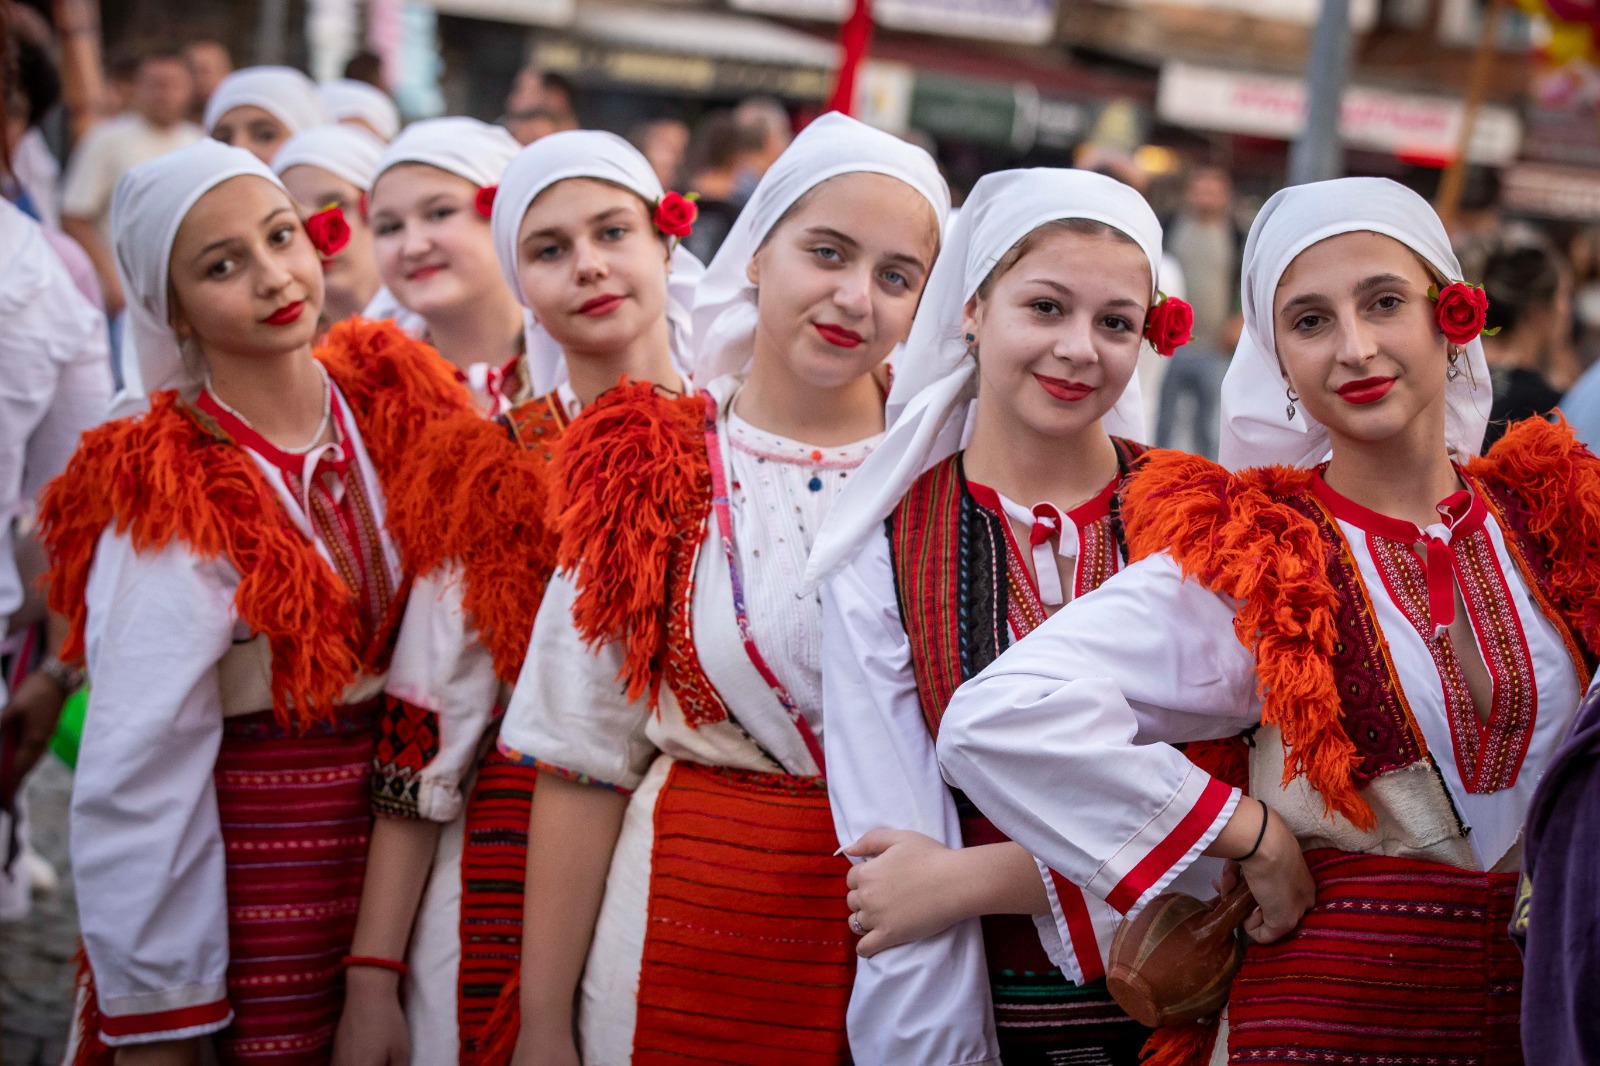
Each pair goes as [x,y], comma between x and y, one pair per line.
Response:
[258,108]
[1529,302]
[356,103]
[664,142]
[540,103]
[156,125]
[35,90]
[209,62]
[365,66]
[1203,239]
[767,122]
[719,152]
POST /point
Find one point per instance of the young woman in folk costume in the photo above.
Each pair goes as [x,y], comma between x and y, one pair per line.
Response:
[333,167]
[1406,630]
[1000,482]
[259,108]
[429,209]
[586,237]
[225,564]
[671,694]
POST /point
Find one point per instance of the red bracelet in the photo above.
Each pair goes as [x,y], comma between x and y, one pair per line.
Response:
[381,964]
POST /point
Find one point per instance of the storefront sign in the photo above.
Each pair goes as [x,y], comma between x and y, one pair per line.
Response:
[1264,105]
[1023,21]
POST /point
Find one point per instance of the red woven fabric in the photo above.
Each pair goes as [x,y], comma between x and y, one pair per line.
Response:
[494,861]
[747,956]
[1400,962]
[295,822]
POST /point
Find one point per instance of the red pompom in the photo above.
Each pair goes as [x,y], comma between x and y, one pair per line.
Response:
[1169,325]
[1461,311]
[484,201]
[328,230]
[675,215]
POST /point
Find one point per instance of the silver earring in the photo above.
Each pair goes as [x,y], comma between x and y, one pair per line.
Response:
[1454,370]
[1293,399]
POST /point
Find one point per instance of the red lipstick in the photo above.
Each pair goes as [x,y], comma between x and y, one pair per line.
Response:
[601,305]
[423,273]
[1070,391]
[286,314]
[838,336]
[1365,391]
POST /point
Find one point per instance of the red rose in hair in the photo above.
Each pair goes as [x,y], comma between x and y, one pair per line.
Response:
[1461,310]
[1169,325]
[675,214]
[328,230]
[484,201]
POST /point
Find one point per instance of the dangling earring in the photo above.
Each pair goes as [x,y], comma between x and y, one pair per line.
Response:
[1454,371]
[1293,399]
[972,346]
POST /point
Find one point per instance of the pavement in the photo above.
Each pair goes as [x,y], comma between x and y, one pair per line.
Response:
[36,970]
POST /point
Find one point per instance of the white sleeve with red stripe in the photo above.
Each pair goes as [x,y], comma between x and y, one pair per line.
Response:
[147,850]
[1064,741]
[926,1002]
[439,665]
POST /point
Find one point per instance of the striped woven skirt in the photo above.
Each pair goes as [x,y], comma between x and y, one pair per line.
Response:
[1041,1018]
[494,861]
[723,937]
[296,814]
[1400,963]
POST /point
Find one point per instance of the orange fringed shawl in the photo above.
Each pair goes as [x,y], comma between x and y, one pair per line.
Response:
[1233,533]
[632,488]
[475,496]
[171,475]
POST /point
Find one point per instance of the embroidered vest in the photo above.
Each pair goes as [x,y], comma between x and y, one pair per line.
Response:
[171,475]
[1325,675]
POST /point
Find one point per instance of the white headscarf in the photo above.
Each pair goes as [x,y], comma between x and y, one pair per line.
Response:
[348,153]
[607,157]
[464,147]
[1255,429]
[147,207]
[725,303]
[283,92]
[936,379]
[479,153]
[348,99]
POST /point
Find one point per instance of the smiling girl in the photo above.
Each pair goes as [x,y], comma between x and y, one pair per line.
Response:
[671,695]
[430,208]
[1027,357]
[1403,628]
[578,227]
[225,564]
[259,108]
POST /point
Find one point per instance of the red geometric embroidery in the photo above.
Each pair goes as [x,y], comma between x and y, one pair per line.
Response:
[408,740]
[1488,752]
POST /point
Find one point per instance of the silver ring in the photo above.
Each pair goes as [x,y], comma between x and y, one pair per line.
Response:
[855,924]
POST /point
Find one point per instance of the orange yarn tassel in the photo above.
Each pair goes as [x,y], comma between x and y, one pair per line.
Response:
[1230,532]
[90,1050]
[1181,1045]
[631,486]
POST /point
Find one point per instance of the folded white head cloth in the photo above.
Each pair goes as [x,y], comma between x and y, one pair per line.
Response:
[283,92]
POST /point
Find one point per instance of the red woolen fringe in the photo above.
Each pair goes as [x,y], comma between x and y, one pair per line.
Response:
[1181,1045]
[631,486]
[475,497]
[91,1051]
[1230,532]
[1558,478]
[170,476]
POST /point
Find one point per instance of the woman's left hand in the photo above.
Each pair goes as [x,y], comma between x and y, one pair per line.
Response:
[910,888]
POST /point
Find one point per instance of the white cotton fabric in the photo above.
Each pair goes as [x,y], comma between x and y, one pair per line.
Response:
[725,302]
[346,152]
[936,380]
[348,99]
[461,146]
[605,157]
[1255,429]
[282,92]
[148,206]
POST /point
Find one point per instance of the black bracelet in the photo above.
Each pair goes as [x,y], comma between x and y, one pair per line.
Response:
[1265,814]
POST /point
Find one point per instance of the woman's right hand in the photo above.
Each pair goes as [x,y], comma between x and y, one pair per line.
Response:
[372,1028]
[1281,882]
